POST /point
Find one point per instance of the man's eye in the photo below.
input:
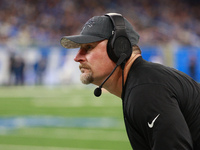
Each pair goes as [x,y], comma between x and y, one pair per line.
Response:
[88,47]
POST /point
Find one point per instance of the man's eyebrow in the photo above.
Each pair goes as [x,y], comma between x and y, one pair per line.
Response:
[92,44]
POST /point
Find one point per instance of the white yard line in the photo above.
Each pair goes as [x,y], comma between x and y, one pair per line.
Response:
[30,147]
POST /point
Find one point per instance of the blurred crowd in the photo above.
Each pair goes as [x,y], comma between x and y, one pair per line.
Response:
[44,22]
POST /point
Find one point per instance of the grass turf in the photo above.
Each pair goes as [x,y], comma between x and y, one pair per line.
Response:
[66,102]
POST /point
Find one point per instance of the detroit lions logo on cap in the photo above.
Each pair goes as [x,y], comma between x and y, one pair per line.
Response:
[89,24]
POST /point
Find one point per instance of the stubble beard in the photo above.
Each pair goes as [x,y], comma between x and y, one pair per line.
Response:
[86,77]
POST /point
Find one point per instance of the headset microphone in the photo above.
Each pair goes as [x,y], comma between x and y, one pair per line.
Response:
[122,59]
[119,47]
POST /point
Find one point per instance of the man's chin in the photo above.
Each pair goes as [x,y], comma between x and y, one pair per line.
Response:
[86,78]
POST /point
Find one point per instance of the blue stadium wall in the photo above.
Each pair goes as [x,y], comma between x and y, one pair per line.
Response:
[181,58]
[62,69]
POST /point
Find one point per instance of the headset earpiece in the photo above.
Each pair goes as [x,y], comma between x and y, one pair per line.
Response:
[119,42]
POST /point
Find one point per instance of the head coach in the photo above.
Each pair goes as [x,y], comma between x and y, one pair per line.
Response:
[161,105]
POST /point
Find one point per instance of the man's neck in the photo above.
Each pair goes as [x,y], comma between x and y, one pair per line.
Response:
[114,84]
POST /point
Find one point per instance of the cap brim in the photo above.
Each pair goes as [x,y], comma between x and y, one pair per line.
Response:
[75,41]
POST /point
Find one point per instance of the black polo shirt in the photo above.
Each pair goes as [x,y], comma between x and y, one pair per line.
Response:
[161,107]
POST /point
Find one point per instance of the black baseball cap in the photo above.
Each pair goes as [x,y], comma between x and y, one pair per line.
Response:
[97,28]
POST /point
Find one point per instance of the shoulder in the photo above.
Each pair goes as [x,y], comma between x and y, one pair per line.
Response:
[144,72]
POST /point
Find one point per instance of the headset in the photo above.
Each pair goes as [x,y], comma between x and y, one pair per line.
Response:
[119,42]
[119,47]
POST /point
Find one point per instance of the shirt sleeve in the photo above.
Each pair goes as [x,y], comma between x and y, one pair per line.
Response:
[153,112]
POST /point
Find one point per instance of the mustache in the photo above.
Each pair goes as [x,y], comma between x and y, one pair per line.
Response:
[84,66]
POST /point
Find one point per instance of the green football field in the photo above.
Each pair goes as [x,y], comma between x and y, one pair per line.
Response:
[60,118]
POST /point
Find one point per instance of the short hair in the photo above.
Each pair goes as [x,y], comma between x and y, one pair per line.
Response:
[136,49]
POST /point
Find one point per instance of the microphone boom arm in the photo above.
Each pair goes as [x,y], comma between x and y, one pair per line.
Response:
[123,56]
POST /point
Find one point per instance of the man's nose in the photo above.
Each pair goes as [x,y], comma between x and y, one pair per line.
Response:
[80,56]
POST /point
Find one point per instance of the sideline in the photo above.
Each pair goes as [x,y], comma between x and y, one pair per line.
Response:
[52,121]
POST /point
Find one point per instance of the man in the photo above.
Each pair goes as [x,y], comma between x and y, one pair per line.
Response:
[161,105]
